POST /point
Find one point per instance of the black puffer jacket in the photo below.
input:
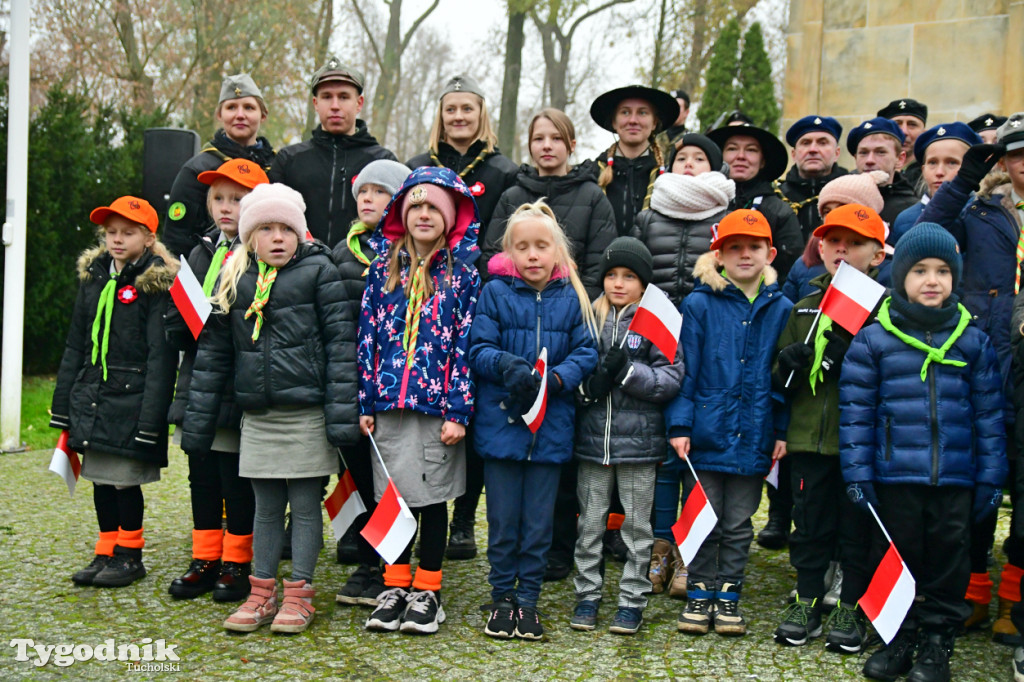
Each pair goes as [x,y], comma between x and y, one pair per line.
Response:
[627,426]
[298,358]
[898,197]
[582,210]
[487,181]
[675,245]
[180,338]
[353,277]
[187,218]
[802,196]
[322,169]
[125,413]
[786,235]
[628,189]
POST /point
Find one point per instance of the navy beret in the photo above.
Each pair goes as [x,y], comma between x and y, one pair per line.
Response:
[904,107]
[945,131]
[809,124]
[986,122]
[872,127]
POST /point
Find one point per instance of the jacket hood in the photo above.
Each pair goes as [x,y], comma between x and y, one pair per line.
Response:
[157,277]
[530,179]
[501,265]
[706,271]
[461,237]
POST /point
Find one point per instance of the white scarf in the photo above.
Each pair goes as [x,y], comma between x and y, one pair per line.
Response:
[692,197]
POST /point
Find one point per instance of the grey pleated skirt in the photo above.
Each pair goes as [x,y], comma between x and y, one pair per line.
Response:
[425,470]
[108,469]
[286,442]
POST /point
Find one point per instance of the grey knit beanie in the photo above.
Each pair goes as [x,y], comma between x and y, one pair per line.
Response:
[384,172]
[628,252]
[925,240]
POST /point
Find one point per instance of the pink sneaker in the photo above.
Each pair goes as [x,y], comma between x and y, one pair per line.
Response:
[259,609]
[297,608]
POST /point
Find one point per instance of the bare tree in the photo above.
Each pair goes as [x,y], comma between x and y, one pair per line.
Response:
[514,40]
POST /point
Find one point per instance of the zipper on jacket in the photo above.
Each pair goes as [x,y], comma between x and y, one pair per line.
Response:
[608,411]
[533,439]
[934,414]
[330,196]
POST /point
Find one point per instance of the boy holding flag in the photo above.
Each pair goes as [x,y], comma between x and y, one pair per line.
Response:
[811,350]
[922,439]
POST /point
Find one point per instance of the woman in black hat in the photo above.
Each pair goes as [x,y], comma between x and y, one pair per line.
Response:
[755,158]
[627,172]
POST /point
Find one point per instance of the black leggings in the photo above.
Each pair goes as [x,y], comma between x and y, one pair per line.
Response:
[118,507]
[216,488]
[433,532]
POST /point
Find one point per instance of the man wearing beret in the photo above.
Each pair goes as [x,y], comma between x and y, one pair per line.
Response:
[323,168]
[877,144]
[986,126]
[815,143]
[911,116]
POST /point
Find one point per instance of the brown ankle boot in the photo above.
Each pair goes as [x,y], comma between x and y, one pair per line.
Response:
[659,573]
[1003,630]
[677,588]
[259,609]
[296,609]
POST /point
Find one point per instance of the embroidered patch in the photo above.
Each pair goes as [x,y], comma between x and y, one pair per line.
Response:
[633,341]
[418,195]
[127,294]
[176,211]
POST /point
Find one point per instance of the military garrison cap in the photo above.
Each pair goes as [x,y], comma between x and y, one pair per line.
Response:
[334,70]
[239,85]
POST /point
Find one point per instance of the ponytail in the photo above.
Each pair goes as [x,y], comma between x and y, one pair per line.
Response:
[227,289]
[607,174]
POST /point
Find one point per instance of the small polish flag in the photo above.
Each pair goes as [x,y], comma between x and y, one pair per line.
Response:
[65,462]
[391,526]
[188,296]
[658,321]
[695,523]
[851,297]
[344,504]
[773,475]
[535,416]
[889,596]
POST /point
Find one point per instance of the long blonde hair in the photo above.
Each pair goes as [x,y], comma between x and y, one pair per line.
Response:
[485,133]
[227,287]
[542,213]
[395,264]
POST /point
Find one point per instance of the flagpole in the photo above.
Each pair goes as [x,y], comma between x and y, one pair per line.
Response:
[884,531]
[810,332]
[344,463]
[692,471]
[381,459]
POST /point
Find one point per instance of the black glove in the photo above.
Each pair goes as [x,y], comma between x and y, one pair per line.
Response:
[599,384]
[554,384]
[518,377]
[615,361]
[795,357]
[978,161]
[835,351]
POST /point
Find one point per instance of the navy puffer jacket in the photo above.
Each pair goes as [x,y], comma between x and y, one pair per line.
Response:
[513,317]
[895,428]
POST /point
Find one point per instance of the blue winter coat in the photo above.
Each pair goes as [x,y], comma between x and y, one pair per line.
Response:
[904,221]
[726,404]
[437,381]
[513,317]
[895,428]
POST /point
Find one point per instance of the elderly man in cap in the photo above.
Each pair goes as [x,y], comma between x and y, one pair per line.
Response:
[815,153]
[322,168]
[877,144]
[240,111]
[911,116]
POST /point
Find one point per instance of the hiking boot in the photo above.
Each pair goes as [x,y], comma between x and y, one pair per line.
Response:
[727,618]
[627,621]
[847,630]
[424,612]
[85,576]
[461,539]
[501,619]
[833,586]
[894,659]
[979,616]
[124,568]
[233,583]
[297,610]
[198,579]
[775,534]
[800,621]
[933,654]
[677,588]
[1003,629]
[659,574]
[584,616]
[696,617]
[528,625]
[387,617]
[354,586]
[373,588]
[614,547]
[558,568]
[259,609]
[348,550]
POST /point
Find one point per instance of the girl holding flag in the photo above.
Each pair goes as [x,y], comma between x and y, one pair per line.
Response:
[415,392]
[533,313]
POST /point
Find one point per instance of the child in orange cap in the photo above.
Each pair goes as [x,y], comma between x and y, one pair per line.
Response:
[826,522]
[116,380]
[221,561]
[726,419]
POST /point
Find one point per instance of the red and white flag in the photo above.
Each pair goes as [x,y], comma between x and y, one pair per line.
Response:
[851,297]
[658,321]
[65,462]
[190,300]
[695,523]
[391,526]
[344,504]
[773,475]
[535,415]
[889,596]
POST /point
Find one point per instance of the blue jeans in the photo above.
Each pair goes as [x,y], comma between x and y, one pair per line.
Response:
[667,489]
[520,508]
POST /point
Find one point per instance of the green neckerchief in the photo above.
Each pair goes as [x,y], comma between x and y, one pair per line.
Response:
[817,373]
[265,279]
[760,286]
[218,260]
[104,309]
[933,354]
[352,240]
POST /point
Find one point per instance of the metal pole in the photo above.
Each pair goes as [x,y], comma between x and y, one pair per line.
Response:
[15,228]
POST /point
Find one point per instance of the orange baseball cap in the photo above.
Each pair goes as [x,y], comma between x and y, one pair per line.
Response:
[133,208]
[861,219]
[243,171]
[742,221]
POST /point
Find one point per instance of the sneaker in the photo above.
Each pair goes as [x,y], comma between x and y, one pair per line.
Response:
[614,547]
[933,654]
[233,583]
[775,534]
[894,659]
[461,539]
[198,579]
[847,630]
[1018,664]
[627,621]
[696,617]
[86,575]
[800,621]
[124,568]
[387,617]
[584,616]
[659,571]
[375,586]
[296,611]
[833,586]
[528,625]
[348,550]
[258,610]
[354,586]
[727,618]
[424,612]
[501,621]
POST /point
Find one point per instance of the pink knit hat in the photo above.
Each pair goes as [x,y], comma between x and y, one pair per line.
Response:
[272,203]
[435,195]
[855,188]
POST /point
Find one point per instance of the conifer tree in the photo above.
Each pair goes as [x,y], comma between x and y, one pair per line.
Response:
[757,90]
[720,93]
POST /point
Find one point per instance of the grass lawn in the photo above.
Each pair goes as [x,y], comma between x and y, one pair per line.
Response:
[36,392]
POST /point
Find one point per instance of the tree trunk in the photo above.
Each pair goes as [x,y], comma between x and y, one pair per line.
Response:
[658,45]
[510,86]
[142,84]
[325,25]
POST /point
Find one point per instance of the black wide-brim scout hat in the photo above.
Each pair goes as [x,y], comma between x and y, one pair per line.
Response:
[776,160]
[665,105]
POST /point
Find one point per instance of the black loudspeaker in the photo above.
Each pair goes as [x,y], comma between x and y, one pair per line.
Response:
[164,152]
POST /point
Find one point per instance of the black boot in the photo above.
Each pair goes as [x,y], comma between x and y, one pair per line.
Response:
[614,547]
[233,583]
[124,568]
[461,537]
[348,550]
[775,534]
[197,580]
[892,660]
[932,657]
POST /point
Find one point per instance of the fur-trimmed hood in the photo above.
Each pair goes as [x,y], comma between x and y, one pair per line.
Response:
[706,271]
[996,182]
[160,267]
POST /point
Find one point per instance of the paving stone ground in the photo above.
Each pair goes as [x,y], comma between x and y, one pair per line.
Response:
[45,536]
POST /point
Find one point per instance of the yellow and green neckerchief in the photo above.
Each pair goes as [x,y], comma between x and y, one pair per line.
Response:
[266,278]
[932,354]
[104,309]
